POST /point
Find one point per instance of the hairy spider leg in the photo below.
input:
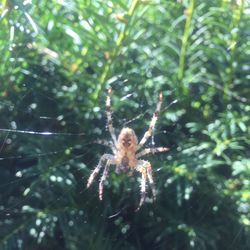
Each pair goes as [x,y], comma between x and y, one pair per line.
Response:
[105,157]
[151,151]
[144,167]
[150,130]
[143,187]
[151,180]
[106,144]
[109,116]
[103,179]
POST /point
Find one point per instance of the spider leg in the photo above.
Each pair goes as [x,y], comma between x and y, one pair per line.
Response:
[103,179]
[106,144]
[143,187]
[109,116]
[151,180]
[154,119]
[144,167]
[151,151]
[105,157]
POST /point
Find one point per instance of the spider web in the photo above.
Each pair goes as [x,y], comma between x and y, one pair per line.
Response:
[45,170]
[29,172]
[10,136]
[29,177]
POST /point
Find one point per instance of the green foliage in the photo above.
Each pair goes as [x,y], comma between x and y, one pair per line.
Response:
[58,59]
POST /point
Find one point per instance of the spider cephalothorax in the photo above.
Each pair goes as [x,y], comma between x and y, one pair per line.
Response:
[125,155]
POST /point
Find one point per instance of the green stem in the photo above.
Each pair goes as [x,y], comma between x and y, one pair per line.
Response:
[15,231]
[237,16]
[185,43]
[122,35]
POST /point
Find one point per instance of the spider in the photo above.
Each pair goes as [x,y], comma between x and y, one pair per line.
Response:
[125,155]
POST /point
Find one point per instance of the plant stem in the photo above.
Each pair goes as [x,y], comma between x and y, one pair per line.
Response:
[237,15]
[122,35]
[15,231]
[185,43]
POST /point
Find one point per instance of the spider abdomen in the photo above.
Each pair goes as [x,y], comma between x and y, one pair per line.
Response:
[123,167]
[125,163]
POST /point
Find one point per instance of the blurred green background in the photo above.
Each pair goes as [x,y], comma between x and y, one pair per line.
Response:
[57,60]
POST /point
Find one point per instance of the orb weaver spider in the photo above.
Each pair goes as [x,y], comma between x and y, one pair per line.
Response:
[125,155]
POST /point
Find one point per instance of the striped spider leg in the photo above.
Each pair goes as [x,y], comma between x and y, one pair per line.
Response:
[144,166]
[109,117]
[154,119]
[108,158]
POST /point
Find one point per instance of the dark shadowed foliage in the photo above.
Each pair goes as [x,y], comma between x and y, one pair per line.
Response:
[58,59]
